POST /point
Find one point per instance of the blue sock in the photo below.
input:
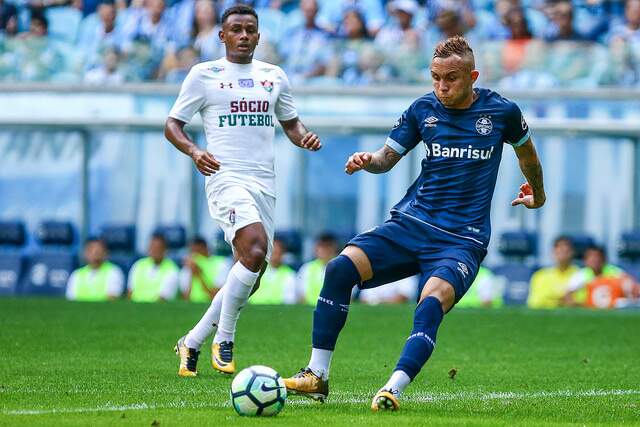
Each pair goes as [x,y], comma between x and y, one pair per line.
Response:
[332,308]
[422,340]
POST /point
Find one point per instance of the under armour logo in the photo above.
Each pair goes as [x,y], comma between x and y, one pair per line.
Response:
[229,85]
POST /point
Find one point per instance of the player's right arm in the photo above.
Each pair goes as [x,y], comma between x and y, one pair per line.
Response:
[190,101]
[379,162]
[403,137]
[204,161]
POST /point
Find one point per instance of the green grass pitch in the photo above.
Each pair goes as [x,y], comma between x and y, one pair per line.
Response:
[112,364]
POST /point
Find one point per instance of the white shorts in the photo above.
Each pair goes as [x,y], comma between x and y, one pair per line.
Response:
[234,206]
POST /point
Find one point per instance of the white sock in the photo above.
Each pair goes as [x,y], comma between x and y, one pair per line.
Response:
[398,382]
[237,288]
[320,362]
[207,325]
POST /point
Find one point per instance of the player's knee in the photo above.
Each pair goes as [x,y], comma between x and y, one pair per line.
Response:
[441,290]
[255,257]
[341,273]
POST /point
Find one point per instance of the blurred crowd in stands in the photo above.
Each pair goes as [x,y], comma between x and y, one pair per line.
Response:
[173,268]
[518,43]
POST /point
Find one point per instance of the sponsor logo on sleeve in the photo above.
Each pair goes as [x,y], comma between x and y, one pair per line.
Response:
[463,269]
[232,216]
[523,122]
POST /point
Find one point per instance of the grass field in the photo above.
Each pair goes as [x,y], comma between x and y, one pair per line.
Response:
[112,364]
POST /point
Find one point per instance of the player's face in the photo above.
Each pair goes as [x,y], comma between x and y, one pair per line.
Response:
[197,248]
[157,249]
[594,260]
[95,253]
[453,80]
[563,252]
[326,251]
[240,36]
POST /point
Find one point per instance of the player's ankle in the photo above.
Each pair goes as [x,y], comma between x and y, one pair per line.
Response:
[323,374]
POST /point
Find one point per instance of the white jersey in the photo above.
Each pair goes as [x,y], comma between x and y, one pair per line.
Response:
[239,104]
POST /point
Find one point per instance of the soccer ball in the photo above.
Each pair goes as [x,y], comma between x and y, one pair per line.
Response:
[258,391]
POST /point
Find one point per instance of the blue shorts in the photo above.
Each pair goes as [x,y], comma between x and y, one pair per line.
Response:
[403,247]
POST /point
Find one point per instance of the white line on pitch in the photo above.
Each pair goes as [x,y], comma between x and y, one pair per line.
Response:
[342,398]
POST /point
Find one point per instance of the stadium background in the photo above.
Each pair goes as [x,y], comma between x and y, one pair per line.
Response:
[81,145]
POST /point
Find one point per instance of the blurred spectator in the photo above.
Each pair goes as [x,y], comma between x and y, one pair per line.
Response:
[203,274]
[99,280]
[629,30]
[484,292]
[332,13]
[357,60]
[595,266]
[399,292]
[38,26]
[516,22]
[106,73]
[155,277]
[8,19]
[205,31]
[562,25]
[311,274]
[462,8]
[549,285]
[305,50]
[278,283]
[150,24]
[101,36]
[400,33]
[186,58]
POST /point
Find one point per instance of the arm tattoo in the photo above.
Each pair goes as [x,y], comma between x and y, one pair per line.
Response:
[383,160]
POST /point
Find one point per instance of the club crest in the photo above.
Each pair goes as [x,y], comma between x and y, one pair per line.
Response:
[484,126]
[267,85]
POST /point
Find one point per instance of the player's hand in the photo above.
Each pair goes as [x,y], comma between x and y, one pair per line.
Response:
[205,162]
[357,161]
[310,141]
[526,198]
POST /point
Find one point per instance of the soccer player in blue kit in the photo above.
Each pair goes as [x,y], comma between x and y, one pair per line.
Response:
[440,229]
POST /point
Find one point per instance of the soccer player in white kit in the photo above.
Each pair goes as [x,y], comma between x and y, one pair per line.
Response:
[237,98]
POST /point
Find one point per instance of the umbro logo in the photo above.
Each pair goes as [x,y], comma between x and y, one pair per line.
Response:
[431,121]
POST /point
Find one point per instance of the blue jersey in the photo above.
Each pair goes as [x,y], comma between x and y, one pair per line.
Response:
[463,151]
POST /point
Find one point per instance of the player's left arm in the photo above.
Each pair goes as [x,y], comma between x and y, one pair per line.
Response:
[299,135]
[531,193]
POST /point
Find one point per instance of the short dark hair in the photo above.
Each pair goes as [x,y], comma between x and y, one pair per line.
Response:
[239,9]
[327,238]
[159,236]
[95,239]
[562,239]
[199,240]
[456,45]
[40,17]
[598,248]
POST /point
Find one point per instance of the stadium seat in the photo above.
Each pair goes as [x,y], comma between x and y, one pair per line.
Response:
[580,244]
[48,268]
[64,23]
[12,239]
[629,253]
[293,240]
[517,248]
[121,241]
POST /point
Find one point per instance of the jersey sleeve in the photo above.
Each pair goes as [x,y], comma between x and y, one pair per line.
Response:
[516,131]
[115,283]
[191,98]
[70,292]
[405,133]
[285,108]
